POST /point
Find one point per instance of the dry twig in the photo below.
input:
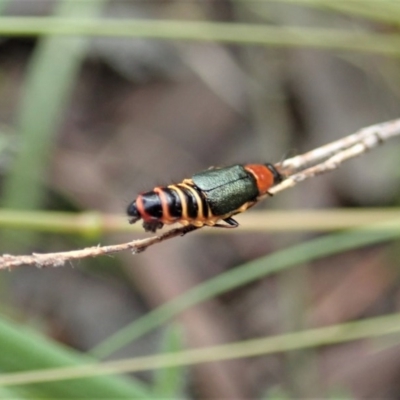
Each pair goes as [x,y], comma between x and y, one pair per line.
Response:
[295,170]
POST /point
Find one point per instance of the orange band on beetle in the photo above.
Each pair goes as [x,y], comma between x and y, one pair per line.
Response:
[166,216]
[141,209]
[263,176]
[182,199]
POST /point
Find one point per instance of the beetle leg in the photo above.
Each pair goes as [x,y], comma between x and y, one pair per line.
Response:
[152,226]
[231,223]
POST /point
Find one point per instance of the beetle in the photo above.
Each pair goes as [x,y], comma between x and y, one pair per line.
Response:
[206,198]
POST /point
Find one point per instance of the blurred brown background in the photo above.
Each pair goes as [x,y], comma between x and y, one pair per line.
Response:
[146,112]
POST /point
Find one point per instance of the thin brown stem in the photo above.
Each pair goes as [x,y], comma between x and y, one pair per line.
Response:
[295,170]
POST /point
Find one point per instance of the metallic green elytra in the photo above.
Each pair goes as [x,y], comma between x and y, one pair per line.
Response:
[226,189]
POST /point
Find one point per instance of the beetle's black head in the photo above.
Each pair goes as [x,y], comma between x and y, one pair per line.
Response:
[133,213]
[277,176]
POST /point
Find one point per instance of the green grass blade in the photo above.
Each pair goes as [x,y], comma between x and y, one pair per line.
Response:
[22,349]
[168,382]
[12,394]
[249,272]
[238,33]
[386,11]
[311,338]
[92,224]
[51,74]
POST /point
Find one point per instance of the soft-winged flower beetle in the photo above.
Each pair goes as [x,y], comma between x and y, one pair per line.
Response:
[206,198]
